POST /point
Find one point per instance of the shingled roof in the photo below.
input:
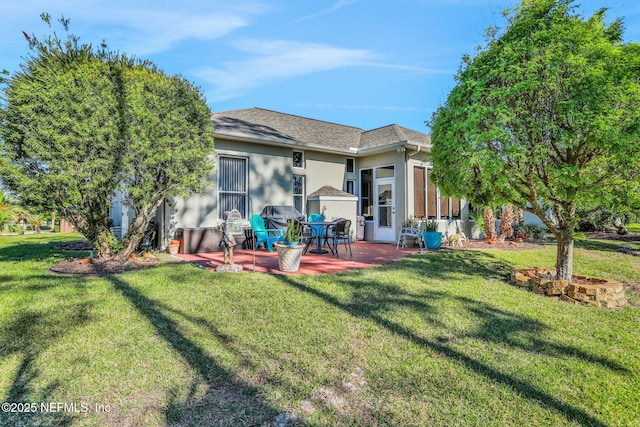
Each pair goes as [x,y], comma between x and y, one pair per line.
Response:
[329,191]
[273,126]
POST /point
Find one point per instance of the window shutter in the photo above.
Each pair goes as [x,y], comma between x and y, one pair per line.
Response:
[419,192]
[432,200]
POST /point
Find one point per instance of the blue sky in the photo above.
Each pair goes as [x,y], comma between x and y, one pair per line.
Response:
[364,63]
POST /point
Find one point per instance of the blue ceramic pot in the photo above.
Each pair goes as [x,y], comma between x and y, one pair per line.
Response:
[432,239]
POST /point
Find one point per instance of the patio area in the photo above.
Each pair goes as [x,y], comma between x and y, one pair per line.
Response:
[365,255]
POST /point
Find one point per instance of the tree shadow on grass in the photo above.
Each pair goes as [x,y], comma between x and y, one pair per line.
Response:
[599,245]
[371,301]
[29,251]
[502,327]
[227,400]
[449,264]
[26,336]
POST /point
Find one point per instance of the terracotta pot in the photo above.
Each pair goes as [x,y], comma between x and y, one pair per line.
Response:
[173,248]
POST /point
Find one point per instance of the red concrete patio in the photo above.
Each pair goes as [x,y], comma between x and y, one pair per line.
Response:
[365,255]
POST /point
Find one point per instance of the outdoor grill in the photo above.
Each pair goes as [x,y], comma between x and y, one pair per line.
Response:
[278,216]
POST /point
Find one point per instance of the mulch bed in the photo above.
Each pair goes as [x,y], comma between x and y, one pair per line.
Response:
[74,268]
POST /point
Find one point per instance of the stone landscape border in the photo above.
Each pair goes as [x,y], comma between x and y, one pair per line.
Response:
[593,291]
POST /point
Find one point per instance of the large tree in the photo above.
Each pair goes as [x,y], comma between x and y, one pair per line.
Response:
[545,116]
[80,122]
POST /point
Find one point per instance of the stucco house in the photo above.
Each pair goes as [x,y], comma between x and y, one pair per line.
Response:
[266,157]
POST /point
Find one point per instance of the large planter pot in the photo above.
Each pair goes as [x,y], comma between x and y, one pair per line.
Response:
[432,239]
[289,256]
[173,248]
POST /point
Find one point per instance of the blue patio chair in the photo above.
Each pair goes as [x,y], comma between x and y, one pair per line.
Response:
[317,230]
[265,235]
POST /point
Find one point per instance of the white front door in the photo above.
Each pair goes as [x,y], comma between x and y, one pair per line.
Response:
[385,210]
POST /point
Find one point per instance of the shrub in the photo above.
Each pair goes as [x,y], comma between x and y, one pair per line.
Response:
[530,231]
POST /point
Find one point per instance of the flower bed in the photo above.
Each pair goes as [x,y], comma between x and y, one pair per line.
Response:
[594,291]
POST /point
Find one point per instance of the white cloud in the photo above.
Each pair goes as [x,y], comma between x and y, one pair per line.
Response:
[337,5]
[139,28]
[147,32]
[274,61]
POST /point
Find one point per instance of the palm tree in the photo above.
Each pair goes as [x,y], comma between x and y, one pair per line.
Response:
[10,212]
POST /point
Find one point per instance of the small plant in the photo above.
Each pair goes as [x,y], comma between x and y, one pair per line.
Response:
[489,226]
[293,232]
[519,213]
[411,222]
[506,223]
[429,225]
[478,218]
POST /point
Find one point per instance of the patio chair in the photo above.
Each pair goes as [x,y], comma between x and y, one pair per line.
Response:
[263,234]
[318,232]
[307,237]
[410,233]
[341,234]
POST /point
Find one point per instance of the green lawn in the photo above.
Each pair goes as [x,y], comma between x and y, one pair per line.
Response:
[437,339]
[634,228]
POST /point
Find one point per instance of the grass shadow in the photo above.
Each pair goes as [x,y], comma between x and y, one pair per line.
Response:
[227,401]
[29,250]
[599,245]
[449,264]
[27,335]
[371,301]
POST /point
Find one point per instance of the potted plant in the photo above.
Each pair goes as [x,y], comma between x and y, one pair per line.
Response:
[290,251]
[293,233]
[432,237]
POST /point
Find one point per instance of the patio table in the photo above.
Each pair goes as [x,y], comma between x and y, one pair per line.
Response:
[326,224]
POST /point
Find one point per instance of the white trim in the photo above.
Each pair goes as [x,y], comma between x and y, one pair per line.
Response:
[353,181]
[303,160]
[219,212]
[360,152]
[346,164]
[303,194]
[386,233]
[333,198]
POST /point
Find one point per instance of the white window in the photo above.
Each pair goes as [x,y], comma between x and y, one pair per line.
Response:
[298,193]
[351,186]
[233,185]
[351,165]
[298,159]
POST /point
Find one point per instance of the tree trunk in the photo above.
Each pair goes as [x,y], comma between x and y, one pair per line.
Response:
[136,231]
[103,243]
[564,257]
